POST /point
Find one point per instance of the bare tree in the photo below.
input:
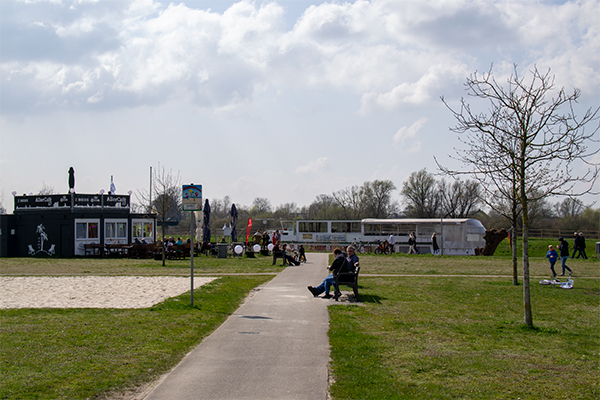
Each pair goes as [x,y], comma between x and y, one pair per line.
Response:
[421,195]
[461,198]
[377,197]
[323,207]
[166,195]
[2,208]
[569,207]
[351,201]
[46,189]
[526,142]
[286,211]
[261,205]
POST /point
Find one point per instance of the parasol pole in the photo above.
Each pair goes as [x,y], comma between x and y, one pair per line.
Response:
[192,223]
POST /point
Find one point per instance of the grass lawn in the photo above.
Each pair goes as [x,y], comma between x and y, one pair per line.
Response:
[539,247]
[85,353]
[203,265]
[469,265]
[88,353]
[420,333]
[436,337]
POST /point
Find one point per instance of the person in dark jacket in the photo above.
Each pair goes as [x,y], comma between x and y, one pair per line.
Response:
[575,244]
[563,247]
[301,254]
[581,247]
[436,248]
[338,265]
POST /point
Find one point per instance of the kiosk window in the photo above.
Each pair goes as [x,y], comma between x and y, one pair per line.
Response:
[115,230]
[142,229]
[92,230]
[148,229]
[86,230]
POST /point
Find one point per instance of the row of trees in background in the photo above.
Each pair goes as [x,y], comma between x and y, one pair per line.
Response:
[423,195]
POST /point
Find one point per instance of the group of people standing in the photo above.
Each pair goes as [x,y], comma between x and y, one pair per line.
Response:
[412,243]
[263,238]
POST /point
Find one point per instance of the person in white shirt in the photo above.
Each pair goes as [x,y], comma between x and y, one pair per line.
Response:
[392,242]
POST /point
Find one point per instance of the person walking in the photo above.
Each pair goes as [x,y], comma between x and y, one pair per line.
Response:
[412,243]
[436,248]
[582,246]
[552,256]
[563,247]
[301,254]
[575,244]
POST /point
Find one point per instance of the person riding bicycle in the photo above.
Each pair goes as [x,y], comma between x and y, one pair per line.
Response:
[382,247]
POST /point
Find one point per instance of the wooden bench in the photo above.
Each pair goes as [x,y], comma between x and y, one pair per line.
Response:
[347,279]
[142,250]
[175,252]
[279,254]
[93,249]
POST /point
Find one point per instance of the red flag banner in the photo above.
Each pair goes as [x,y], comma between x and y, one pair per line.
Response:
[248,229]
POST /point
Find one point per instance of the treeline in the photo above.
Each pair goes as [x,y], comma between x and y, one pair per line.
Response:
[422,196]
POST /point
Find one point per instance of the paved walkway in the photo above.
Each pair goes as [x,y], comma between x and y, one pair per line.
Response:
[275,346]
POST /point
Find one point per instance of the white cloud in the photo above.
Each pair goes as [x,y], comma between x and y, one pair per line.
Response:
[390,53]
[248,84]
[430,85]
[406,137]
[314,166]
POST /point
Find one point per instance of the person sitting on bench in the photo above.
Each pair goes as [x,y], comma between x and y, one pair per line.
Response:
[289,258]
[352,259]
[340,264]
[342,277]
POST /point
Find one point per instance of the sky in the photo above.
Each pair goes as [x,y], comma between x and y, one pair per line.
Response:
[284,99]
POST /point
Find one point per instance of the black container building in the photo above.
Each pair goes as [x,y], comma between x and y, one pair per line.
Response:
[60,225]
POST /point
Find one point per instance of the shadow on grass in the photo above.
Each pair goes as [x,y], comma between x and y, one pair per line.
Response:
[540,330]
[371,298]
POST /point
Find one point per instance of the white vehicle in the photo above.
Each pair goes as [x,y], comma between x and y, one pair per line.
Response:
[459,236]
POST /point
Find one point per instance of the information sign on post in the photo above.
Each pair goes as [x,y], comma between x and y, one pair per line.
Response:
[192,197]
[192,201]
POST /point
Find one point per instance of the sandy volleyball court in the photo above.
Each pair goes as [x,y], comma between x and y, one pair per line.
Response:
[92,291]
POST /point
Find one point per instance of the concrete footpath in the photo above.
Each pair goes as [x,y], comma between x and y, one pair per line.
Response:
[275,346]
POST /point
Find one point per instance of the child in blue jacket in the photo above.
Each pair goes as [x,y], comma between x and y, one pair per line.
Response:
[552,256]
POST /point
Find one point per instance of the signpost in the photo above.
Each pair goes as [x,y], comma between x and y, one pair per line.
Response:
[192,201]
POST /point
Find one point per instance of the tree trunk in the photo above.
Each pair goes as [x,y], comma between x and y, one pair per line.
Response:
[525,214]
[526,298]
[163,243]
[513,243]
[514,233]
